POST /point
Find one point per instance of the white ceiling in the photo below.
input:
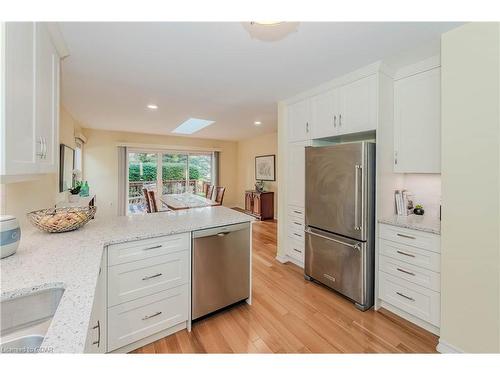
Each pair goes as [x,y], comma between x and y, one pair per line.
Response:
[215,71]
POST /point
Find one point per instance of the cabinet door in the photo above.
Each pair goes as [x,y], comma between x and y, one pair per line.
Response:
[47,98]
[256,205]
[97,332]
[325,114]
[296,173]
[417,123]
[299,121]
[358,106]
[21,147]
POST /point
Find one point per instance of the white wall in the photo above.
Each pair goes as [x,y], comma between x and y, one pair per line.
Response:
[470,260]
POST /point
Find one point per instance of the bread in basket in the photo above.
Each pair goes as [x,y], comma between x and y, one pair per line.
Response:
[57,220]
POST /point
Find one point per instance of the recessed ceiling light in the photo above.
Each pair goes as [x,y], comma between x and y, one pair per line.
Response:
[257,123]
[192,125]
[152,106]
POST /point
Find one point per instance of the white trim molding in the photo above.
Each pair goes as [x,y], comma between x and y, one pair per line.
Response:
[445,348]
[160,147]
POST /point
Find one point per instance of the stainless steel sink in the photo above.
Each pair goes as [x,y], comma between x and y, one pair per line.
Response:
[26,319]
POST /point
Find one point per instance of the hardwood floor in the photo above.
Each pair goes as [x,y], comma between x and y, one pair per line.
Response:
[291,315]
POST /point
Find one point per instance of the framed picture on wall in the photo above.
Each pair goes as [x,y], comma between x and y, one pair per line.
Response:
[265,168]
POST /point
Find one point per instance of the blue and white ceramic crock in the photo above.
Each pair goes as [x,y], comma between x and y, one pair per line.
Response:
[10,234]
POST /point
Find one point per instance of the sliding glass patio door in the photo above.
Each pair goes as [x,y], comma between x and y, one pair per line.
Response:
[166,172]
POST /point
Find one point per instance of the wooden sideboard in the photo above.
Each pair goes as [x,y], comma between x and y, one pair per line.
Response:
[260,205]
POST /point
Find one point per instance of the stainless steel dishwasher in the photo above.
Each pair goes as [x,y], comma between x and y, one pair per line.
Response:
[221,268]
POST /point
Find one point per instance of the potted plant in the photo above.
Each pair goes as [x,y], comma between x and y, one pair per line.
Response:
[418,210]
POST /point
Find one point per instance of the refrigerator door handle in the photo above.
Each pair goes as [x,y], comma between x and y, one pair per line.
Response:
[354,246]
[356,197]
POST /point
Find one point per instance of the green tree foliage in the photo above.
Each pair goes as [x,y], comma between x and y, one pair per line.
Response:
[170,171]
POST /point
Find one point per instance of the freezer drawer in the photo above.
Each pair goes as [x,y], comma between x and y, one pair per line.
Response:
[340,263]
[221,268]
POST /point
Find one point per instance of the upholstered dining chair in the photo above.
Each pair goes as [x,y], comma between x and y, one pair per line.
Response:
[210,192]
[219,194]
[154,203]
[145,192]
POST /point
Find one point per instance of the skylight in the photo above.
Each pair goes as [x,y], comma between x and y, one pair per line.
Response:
[192,125]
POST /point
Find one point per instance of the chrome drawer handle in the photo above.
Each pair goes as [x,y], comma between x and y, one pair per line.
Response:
[152,276]
[297,223]
[405,236]
[298,212]
[404,271]
[402,295]
[297,250]
[98,327]
[153,247]
[298,235]
[405,254]
[151,316]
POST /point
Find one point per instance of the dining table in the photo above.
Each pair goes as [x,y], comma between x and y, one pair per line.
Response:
[185,201]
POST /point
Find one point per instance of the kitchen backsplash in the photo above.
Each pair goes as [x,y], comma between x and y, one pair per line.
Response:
[426,190]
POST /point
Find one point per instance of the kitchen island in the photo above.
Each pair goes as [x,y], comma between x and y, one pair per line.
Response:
[72,261]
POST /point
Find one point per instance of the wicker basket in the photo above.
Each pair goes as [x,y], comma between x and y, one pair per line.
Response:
[58,220]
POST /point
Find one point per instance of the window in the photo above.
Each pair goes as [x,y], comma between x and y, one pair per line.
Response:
[166,173]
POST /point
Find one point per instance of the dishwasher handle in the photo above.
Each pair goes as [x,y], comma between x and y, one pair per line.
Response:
[220,231]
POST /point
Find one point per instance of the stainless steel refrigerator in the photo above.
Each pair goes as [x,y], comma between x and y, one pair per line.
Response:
[340,219]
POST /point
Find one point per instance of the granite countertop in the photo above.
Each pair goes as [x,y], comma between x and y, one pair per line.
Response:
[71,260]
[416,222]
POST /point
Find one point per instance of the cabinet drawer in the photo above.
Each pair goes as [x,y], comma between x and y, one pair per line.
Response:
[143,249]
[135,320]
[423,240]
[412,255]
[417,275]
[415,300]
[295,249]
[295,229]
[297,212]
[129,281]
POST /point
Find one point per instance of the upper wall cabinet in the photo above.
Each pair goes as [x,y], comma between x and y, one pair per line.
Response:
[299,121]
[351,108]
[359,101]
[417,123]
[30,100]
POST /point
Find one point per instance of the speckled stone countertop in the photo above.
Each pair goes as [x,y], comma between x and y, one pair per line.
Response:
[71,260]
[417,222]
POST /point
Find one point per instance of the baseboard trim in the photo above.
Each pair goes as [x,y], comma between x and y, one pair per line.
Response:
[413,319]
[445,348]
[286,259]
[281,259]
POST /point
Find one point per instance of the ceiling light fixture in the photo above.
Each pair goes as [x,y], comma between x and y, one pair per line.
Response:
[270,31]
[152,106]
[257,123]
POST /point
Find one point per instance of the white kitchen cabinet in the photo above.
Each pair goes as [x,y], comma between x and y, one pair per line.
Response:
[296,173]
[417,123]
[47,99]
[351,108]
[357,106]
[409,274]
[97,332]
[325,114]
[300,121]
[30,100]
[148,289]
